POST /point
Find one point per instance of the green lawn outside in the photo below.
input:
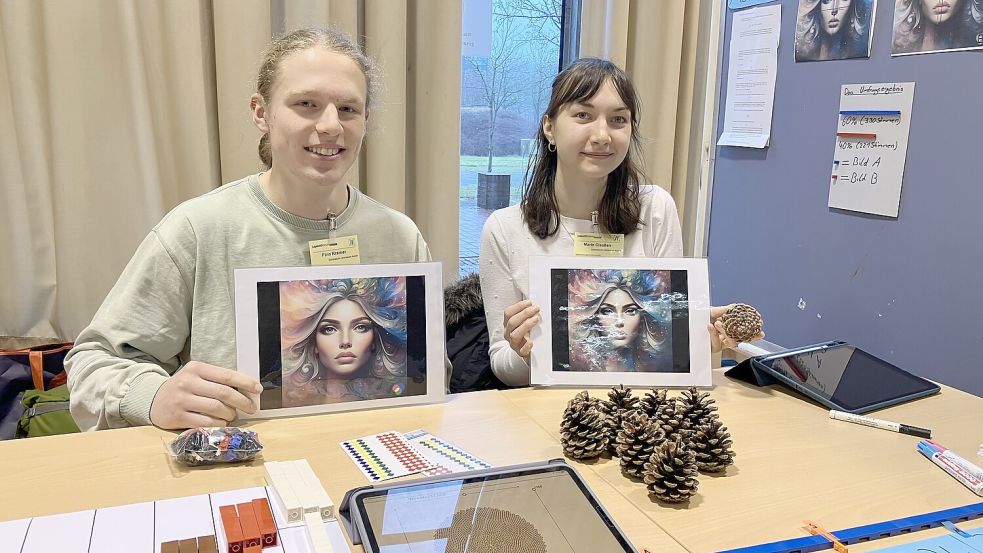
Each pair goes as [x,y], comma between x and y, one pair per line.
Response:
[472,165]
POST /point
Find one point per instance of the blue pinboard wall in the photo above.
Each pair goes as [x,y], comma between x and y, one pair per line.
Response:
[909,290]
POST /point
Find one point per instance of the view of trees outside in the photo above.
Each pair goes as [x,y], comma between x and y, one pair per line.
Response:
[502,99]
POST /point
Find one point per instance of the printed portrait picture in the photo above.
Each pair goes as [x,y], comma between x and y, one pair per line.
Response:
[342,340]
[925,26]
[339,342]
[620,320]
[622,324]
[833,29]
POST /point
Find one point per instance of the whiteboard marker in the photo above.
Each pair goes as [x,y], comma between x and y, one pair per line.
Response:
[878,423]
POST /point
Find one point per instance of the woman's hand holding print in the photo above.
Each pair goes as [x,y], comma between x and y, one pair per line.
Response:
[520,318]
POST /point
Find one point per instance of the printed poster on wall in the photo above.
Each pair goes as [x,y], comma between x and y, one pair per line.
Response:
[871,146]
[929,26]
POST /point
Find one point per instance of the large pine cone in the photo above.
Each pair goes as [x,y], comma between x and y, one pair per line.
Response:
[620,400]
[671,473]
[653,401]
[742,322]
[712,446]
[583,430]
[698,409]
[672,420]
[636,441]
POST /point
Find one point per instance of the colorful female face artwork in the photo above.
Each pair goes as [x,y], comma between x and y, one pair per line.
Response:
[337,338]
[610,321]
[620,320]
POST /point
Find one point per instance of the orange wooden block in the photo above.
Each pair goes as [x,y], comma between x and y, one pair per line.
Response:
[267,526]
[253,549]
[233,530]
[250,528]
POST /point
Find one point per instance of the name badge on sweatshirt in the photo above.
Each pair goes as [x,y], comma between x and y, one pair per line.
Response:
[599,245]
[335,251]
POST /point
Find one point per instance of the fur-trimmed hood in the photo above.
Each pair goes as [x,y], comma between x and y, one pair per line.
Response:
[462,299]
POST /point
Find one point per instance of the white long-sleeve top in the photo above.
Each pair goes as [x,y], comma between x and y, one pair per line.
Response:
[507,243]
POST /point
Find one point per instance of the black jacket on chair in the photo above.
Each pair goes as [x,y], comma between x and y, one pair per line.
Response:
[467,337]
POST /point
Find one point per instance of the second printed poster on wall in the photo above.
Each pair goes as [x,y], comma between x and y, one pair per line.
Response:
[928,26]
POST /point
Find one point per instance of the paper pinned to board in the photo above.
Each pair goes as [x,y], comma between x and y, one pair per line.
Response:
[871,147]
[751,75]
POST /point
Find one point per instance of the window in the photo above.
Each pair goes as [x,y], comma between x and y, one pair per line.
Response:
[510,55]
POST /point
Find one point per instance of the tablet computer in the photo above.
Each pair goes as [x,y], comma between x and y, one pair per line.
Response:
[531,508]
[844,377]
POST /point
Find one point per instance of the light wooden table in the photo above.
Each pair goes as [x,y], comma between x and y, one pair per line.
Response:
[793,463]
[43,476]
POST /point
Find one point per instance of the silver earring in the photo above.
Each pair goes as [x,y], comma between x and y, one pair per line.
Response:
[551,147]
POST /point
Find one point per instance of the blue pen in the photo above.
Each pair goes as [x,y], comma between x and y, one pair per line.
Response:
[959,473]
[947,453]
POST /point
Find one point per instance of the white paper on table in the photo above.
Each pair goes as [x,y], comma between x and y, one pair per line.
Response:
[752,71]
[65,533]
[867,173]
[128,528]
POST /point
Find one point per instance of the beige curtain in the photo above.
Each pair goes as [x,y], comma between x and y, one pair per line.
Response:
[662,44]
[118,110]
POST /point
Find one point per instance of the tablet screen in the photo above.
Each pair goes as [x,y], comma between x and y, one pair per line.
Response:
[530,511]
[850,377]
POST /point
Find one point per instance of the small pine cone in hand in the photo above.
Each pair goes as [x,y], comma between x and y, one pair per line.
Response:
[742,322]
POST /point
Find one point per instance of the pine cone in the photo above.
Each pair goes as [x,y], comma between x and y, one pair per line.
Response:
[698,409]
[636,441]
[620,401]
[712,446]
[583,431]
[671,473]
[622,398]
[742,322]
[653,401]
[672,420]
[584,397]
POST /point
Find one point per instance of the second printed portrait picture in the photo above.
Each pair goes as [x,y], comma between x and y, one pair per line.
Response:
[625,321]
[336,340]
[833,29]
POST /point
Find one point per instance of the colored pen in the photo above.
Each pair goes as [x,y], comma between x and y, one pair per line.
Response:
[816,529]
[954,470]
[878,423]
[966,464]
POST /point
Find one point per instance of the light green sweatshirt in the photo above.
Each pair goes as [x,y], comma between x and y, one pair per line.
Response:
[174,302]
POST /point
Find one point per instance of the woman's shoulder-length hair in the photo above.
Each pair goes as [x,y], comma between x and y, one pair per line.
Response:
[620,205]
